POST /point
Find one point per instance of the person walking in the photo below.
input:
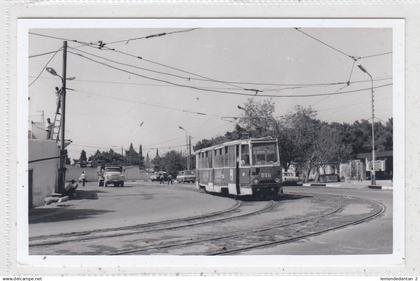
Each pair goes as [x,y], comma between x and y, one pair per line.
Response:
[83,178]
[170,179]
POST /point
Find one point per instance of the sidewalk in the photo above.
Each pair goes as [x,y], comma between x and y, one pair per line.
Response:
[136,203]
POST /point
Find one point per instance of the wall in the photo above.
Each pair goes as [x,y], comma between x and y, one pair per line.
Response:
[73,173]
[131,173]
[45,173]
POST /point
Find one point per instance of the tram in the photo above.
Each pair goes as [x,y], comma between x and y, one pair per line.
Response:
[240,167]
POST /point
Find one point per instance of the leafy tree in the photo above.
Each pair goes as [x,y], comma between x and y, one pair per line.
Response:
[141,158]
[258,118]
[147,164]
[82,158]
[173,162]
[157,162]
[131,156]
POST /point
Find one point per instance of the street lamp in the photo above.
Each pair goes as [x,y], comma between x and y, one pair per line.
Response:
[53,72]
[63,151]
[373,176]
[188,146]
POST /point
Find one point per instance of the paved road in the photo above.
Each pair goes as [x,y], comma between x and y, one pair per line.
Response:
[373,237]
[140,203]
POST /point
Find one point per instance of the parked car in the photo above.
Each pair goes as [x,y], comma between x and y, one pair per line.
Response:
[186,176]
[328,178]
[290,179]
[113,175]
[154,177]
[157,176]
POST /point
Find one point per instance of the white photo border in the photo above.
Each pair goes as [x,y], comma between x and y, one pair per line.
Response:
[237,262]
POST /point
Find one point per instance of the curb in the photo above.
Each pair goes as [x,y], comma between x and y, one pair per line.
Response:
[380,187]
[339,185]
[321,185]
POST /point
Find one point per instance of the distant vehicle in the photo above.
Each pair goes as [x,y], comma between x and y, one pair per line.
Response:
[186,176]
[290,178]
[154,177]
[158,175]
[328,178]
[113,175]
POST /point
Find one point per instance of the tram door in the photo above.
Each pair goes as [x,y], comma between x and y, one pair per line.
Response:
[238,189]
[245,169]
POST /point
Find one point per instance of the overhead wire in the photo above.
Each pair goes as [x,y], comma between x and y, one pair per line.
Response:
[326,44]
[154,105]
[189,78]
[204,78]
[221,91]
[168,66]
[134,66]
[374,55]
[150,36]
[43,68]
[266,90]
[102,46]
[43,54]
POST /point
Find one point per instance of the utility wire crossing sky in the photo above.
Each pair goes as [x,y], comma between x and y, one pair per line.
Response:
[196,77]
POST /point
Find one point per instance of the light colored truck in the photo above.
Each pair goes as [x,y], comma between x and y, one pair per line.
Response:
[186,176]
[113,175]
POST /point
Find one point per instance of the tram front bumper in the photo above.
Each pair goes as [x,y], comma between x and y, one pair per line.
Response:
[268,188]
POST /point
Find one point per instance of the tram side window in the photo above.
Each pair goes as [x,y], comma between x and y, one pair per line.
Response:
[222,157]
[245,155]
[210,159]
[231,156]
[216,159]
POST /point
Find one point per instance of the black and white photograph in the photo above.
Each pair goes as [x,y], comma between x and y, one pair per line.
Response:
[199,139]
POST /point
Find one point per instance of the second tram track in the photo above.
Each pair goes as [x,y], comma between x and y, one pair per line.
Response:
[186,242]
[150,227]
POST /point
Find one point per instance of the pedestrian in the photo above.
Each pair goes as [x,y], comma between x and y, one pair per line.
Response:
[161,178]
[70,188]
[49,127]
[82,178]
[170,179]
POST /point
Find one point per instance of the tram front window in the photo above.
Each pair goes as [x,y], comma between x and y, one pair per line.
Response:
[264,153]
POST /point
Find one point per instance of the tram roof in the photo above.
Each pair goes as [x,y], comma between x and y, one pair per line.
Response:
[235,142]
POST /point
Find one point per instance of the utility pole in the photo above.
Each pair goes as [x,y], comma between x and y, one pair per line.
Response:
[62,170]
[189,153]
[372,173]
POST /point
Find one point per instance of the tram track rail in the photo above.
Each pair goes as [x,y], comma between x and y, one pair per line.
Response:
[380,208]
[308,235]
[149,227]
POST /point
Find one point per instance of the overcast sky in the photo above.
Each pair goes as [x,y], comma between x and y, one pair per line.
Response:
[107,105]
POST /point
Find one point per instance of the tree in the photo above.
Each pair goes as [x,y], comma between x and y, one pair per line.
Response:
[173,162]
[82,158]
[141,158]
[147,164]
[157,162]
[329,147]
[131,156]
[258,118]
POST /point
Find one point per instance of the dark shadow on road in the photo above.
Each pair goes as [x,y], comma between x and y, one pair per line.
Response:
[87,194]
[45,215]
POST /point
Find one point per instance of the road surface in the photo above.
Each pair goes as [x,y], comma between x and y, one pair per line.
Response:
[144,218]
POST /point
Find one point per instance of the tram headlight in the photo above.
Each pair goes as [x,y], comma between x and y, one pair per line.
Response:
[277,180]
[255,181]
